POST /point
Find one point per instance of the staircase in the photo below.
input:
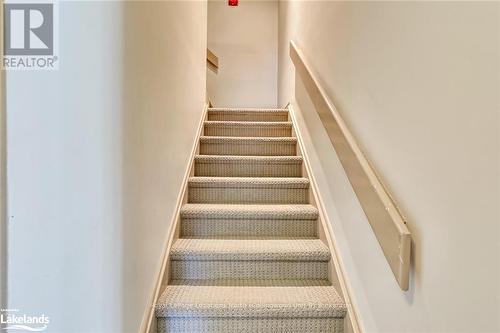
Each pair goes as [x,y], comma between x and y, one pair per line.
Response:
[249,258]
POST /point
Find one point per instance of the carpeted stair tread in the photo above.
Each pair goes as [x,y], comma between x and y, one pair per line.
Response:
[250,250]
[249,182]
[248,221]
[248,269]
[248,190]
[253,282]
[248,146]
[230,159]
[194,301]
[248,128]
[247,114]
[236,110]
[230,123]
[246,139]
[248,166]
[249,212]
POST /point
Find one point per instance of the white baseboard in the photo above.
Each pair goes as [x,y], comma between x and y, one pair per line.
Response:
[148,323]
[337,270]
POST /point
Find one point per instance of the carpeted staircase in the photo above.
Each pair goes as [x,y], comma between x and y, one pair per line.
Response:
[249,258]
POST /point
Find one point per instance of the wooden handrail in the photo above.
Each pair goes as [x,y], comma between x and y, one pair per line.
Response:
[212,61]
[386,220]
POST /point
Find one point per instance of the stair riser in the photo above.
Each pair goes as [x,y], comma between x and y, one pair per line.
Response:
[251,149]
[224,195]
[253,116]
[263,270]
[249,131]
[250,325]
[214,228]
[246,169]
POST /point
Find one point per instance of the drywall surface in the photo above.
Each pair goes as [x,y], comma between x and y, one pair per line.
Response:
[3,184]
[245,39]
[96,154]
[418,84]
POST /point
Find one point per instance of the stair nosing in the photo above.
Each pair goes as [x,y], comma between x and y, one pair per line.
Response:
[251,250]
[250,301]
[249,182]
[254,139]
[280,159]
[249,211]
[287,124]
[243,110]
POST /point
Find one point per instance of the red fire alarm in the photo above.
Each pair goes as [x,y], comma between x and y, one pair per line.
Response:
[232,2]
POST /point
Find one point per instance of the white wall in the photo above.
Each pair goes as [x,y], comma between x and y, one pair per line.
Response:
[3,183]
[245,38]
[418,83]
[92,178]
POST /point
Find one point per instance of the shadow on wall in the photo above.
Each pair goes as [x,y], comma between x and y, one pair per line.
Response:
[436,156]
[163,98]
[340,188]
[350,224]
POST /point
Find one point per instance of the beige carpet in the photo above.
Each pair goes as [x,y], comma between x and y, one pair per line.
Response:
[249,258]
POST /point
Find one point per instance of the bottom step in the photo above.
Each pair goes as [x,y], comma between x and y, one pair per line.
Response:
[250,325]
[253,307]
